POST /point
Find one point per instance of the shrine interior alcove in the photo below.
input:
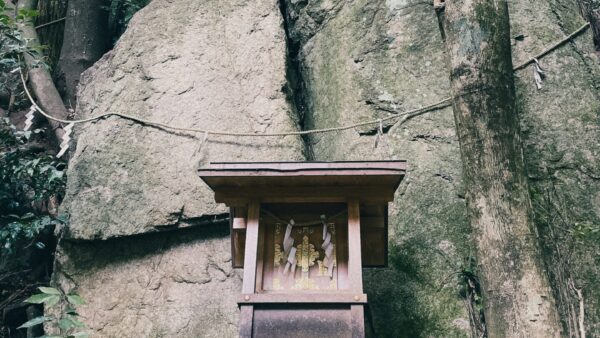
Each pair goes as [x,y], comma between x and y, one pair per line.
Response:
[302,232]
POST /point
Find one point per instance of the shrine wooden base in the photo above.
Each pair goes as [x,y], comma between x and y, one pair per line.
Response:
[312,316]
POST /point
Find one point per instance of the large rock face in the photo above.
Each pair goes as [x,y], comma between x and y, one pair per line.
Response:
[222,65]
[202,64]
[177,284]
[210,65]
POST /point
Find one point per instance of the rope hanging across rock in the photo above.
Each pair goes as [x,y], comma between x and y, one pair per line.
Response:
[406,114]
[224,133]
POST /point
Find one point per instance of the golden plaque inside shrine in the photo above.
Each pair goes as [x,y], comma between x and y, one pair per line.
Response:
[302,232]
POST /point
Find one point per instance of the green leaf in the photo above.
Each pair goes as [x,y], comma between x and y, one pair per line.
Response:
[66,323]
[75,299]
[55,175]
[76,321]
[39,298]
[53,301]
[80,335]
[70,310]
[35,321]
[12,37]
[49,291]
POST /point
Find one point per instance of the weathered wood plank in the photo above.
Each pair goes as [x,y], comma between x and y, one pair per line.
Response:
[251,249]
[238,216]
[357,321]
[304,194]
[354,250]
[308,168]
[260,258]
[238,246]
[342,256]
[300,298]
[246,319]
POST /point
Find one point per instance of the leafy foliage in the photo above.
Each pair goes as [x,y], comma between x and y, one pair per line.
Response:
[27,180]
[24,229]
[12,44]
[32,183]
[66,323]
[25,177]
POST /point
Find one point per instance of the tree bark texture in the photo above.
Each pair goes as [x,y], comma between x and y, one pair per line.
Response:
[518,301]
[86,39]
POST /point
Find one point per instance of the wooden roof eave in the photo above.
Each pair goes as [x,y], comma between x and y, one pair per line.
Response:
[237,183]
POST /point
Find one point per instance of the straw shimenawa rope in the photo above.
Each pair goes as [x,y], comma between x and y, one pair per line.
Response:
[224,133]
[406,114]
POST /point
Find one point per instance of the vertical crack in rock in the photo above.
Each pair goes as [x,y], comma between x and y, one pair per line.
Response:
[295,87]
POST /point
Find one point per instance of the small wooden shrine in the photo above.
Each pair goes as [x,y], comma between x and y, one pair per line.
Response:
[302,232]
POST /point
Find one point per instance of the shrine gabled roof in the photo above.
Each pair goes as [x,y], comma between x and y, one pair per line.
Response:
[245,176]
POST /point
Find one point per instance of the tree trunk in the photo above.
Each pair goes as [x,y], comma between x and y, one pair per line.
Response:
[518,301]
[86,39]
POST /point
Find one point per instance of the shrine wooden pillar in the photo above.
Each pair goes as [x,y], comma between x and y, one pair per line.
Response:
[302,233]
[357,318]
[250,262]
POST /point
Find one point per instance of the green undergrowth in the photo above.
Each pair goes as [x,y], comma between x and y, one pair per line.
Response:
[32,180]
[64,322]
